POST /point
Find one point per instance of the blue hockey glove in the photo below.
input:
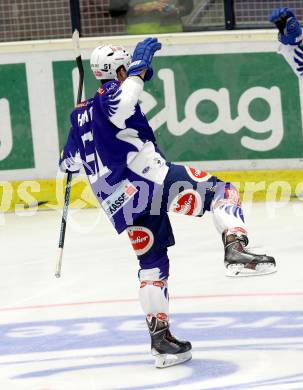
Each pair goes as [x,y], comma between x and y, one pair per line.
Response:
[142,58]
[290,31]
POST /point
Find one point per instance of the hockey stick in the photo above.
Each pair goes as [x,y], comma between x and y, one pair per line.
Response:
[69,174]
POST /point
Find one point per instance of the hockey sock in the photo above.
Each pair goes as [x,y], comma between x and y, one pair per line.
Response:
[227,210]
[153,295]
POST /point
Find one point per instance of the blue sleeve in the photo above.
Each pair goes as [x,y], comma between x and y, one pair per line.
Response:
[118,101]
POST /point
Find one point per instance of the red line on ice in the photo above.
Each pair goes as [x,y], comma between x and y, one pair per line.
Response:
[129,300]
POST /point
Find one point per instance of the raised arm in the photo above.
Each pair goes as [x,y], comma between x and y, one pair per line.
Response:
[121,105]
[123,102]
[290,36]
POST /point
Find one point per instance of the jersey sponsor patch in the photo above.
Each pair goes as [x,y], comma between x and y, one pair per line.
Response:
[141,238]
[197,175]
[119,198]
[188,202]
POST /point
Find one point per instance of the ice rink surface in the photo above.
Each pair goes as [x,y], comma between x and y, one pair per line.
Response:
[86,331]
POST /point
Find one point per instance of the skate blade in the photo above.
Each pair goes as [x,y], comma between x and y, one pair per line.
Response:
[239,270]
[164,361]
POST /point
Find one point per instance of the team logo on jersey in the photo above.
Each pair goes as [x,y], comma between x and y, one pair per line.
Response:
[119,198]
[197,175]
[188,202]
[141,238]
[101,91]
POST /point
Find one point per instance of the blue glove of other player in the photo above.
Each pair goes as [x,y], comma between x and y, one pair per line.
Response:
[142,58]
[290,31]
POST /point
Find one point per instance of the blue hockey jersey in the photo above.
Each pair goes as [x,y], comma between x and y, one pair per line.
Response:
[118,151]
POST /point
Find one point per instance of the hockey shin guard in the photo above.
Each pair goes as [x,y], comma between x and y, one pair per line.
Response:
[153,294]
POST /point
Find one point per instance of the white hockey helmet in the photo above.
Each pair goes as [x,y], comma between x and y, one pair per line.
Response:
[106,59]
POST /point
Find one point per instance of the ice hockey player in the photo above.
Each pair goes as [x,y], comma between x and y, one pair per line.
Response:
[136,186]
[290,36]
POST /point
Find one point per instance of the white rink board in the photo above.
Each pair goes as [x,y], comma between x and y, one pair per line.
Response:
[86,331]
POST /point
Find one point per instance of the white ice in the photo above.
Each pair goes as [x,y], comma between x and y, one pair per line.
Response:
[86,331]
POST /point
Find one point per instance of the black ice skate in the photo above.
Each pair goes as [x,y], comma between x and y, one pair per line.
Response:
[239,262]
[167,350]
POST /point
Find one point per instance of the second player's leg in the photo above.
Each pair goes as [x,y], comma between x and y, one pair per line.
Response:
[189,191]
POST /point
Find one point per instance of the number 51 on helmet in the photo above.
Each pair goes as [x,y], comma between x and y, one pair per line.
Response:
[107,59]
